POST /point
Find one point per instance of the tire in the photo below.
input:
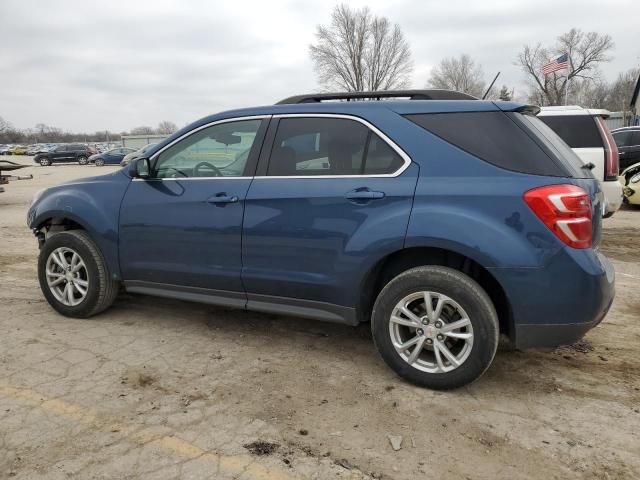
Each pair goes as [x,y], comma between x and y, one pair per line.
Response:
[473,345]
[608,215]
[82,160]
[100,289]
[99,162]
[45,162]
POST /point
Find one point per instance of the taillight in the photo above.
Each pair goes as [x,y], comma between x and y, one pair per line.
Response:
[565,210]
[610,151]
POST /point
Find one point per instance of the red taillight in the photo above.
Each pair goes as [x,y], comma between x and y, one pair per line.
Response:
[565,210]
[610,152]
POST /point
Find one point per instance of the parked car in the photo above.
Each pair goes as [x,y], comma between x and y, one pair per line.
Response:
[136,154]
[111,157]
[630,181]
[18,150]
[628,142]
[586,132]
[398,212]
[35,149]
[74,152]
[4,149]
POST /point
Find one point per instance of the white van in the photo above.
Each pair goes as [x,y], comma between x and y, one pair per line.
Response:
[585,131]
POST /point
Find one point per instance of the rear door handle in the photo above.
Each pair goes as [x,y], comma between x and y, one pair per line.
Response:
[223,198]
[364,194]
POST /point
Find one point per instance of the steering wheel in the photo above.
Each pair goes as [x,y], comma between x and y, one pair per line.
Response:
[206,166]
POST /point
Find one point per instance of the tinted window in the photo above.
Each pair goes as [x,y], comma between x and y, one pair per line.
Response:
[578,131]
[495,137]
[635,139]
[218,151]
[622,139]
[554,144]
[329,146]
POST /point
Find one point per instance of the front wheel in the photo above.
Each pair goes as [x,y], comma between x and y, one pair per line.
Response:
[99,162]
[435,327]
[45,162]
[73,275]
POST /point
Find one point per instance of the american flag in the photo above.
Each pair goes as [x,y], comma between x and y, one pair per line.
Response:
[556,64]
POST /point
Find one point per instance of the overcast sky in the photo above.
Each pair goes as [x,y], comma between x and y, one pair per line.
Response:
[89,66]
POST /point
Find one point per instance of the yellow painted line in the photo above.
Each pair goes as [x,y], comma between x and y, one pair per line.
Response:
[229,464]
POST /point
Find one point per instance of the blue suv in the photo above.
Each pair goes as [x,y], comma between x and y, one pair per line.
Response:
[441,219]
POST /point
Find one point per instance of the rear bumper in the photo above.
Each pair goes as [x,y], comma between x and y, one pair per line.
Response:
[558,304]
[612,196]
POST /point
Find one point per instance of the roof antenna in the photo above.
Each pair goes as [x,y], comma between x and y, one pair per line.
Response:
[490,86]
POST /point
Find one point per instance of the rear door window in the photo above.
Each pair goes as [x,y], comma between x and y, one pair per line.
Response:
[635,138]
[577,131]
[497,138]
[317,146]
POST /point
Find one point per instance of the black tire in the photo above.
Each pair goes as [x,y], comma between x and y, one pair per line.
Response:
[45,162]
[99,162]
[82,160]
[463,290]
[608,215]
[102,289]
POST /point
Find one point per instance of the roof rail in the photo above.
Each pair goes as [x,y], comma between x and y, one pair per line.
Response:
[378,95]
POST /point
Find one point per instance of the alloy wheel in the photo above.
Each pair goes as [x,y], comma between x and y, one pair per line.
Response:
[431,332]
[67,276]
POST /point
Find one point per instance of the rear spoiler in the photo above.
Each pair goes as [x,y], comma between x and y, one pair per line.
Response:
[518,107]
[528,110]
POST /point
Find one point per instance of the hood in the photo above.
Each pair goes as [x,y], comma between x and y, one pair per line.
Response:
[108,177]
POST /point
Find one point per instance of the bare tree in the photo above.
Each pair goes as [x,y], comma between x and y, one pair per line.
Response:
[505,94]
[586,51]
[621,90]
[143,130]
[461,74]
[360,51]
[4,125]
[166,128]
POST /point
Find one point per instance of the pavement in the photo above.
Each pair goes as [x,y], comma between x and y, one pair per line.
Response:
[156,388]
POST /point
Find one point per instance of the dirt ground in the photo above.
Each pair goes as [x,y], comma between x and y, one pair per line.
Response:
[158,389]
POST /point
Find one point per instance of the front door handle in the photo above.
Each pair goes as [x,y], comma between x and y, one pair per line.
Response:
[223,198]
[364,194]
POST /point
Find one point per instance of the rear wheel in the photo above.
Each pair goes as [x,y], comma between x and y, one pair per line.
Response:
[435,327]
[45,162]
[82,160]
[73,276]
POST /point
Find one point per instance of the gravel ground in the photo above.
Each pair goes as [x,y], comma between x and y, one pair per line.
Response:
[155,388]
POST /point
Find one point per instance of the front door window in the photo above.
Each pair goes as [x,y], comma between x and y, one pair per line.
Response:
[220,150]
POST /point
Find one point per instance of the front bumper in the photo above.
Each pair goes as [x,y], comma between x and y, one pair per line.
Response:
[558,304]
[632,193]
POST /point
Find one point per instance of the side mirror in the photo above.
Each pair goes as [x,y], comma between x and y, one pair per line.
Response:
[140,168]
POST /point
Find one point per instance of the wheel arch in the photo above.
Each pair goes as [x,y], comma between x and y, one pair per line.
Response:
[401,260]
[62,221]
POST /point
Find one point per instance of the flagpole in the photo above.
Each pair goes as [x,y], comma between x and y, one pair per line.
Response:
[566,87]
